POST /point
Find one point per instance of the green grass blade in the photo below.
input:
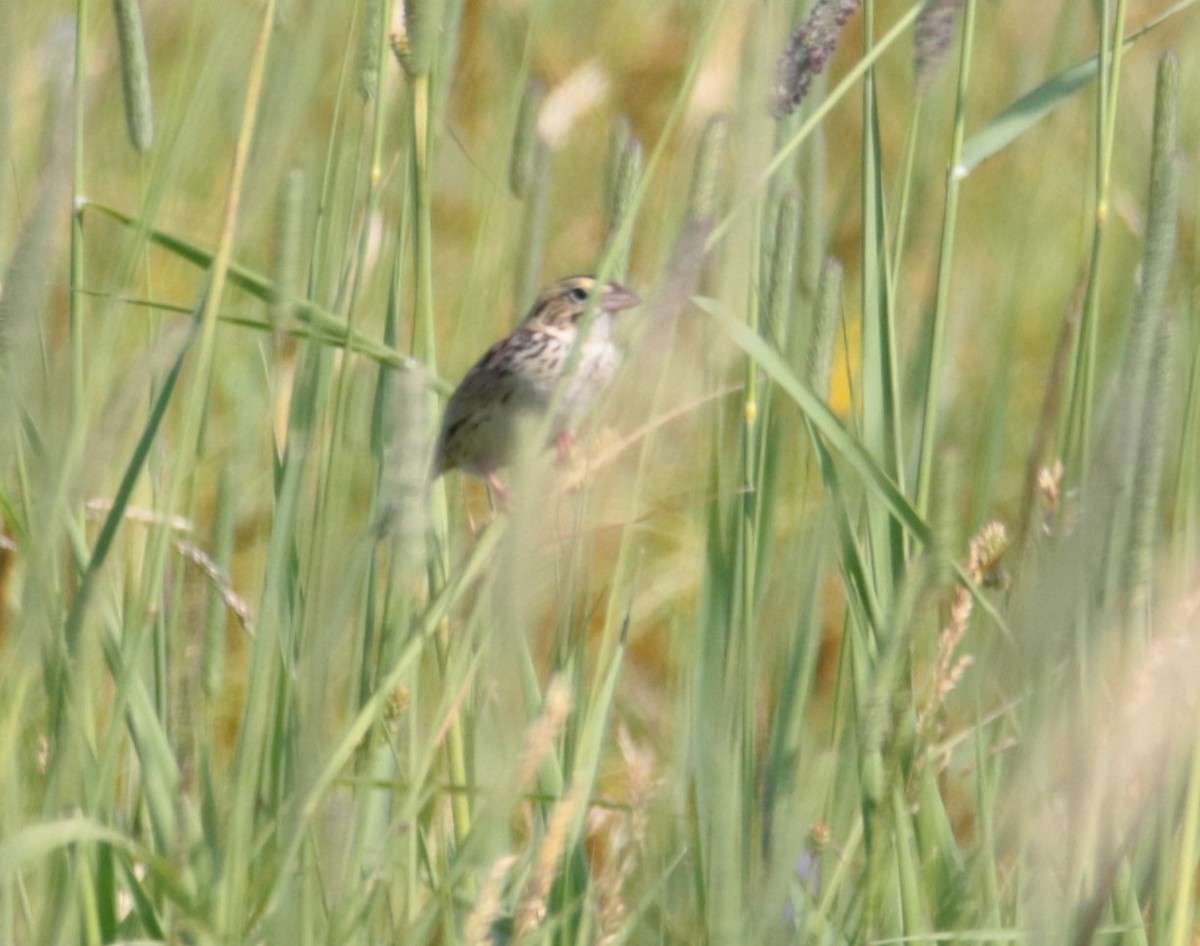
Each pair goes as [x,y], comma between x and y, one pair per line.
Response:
[825,421]
[1033,106]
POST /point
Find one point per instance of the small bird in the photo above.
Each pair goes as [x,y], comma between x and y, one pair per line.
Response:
[520,374]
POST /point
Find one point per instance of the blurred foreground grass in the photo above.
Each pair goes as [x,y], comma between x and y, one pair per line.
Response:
[867,614]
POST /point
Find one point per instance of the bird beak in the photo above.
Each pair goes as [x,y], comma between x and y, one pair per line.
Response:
[616,297]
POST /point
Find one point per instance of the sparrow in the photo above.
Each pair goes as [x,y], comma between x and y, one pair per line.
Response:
[519,376]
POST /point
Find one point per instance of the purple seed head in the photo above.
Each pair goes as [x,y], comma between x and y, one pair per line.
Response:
[808,52]
[936,25]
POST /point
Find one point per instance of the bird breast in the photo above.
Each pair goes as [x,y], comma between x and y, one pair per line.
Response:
[598,363]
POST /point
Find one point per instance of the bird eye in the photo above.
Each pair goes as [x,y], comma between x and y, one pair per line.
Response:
[578,294]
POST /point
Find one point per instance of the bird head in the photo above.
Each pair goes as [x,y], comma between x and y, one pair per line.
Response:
[562,304]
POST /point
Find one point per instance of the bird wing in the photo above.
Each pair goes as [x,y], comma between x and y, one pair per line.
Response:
[512,377]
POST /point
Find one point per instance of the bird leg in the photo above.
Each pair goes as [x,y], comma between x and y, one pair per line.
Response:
[564,443]
[498,487]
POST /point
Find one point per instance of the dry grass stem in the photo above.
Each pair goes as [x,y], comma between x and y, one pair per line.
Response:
[533,906]
[986,550]
[221,581]
[489,904]
[1049,491]
[615,838]
[98,507]
[541,737]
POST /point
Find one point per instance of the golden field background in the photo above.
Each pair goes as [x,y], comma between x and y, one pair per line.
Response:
[728,644]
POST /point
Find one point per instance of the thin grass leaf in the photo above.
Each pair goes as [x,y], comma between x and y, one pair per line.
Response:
[217,618]
[931,396]
[1182,903]
[915,910]
[343,747]
[34,843]
[143,900]
[879,412]
[27,275]
[531,169]
[1033,106]
[73,624]
[781,274]
[843,442]
[330,327]
[287,285]
[824,419]
[1144,374]
[8,70]
[811,123]
[160,776]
